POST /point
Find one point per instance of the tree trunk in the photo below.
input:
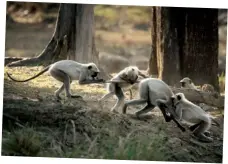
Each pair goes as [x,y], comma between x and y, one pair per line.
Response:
[73,38]
[167,45]
[187,45]
[152,65]
[201,46]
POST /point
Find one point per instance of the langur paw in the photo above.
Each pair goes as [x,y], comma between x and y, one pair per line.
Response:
[76,96]
[203,138]
[58,98]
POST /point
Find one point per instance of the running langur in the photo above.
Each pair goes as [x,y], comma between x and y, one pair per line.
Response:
[151,89]
[66,71]
[123,80]
[193,115]
[187,83]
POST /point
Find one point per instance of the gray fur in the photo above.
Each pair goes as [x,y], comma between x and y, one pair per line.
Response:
[193,115]
[66,71]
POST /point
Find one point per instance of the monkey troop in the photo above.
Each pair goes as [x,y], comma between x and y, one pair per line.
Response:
[152,92]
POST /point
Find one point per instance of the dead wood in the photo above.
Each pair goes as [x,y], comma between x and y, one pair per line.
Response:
[202,97]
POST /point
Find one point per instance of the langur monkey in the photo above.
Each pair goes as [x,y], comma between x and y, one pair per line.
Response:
[66,71]
[151,89]
[123,80]
[193,115]
[187,83]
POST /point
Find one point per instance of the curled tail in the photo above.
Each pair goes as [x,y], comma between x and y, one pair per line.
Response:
[40,73]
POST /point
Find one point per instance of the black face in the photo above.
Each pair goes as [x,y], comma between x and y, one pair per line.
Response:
[133,81]
[95,74]
[178,97]
[183,84]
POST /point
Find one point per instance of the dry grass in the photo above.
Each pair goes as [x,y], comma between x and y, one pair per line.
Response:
[80,130]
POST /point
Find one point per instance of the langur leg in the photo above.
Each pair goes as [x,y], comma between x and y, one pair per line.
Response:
[130,91]
[108,95]
[199,132]
[168,116]
[120,98]
[193,127]
[132,102]
[146,109]
[65,79]
[163,107]
[58,91]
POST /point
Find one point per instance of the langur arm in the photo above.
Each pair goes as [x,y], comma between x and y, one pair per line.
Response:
[82,80]
[91,81]
[143,75]
[179,114]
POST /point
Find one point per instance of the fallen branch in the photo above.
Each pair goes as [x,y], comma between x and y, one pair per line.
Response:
[201,97]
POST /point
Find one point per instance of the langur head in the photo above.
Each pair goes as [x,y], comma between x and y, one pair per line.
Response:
[131,74]
[93,70]
[178,97]
[185,82]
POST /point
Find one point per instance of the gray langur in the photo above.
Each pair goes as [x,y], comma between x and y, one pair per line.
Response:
[187,83]
[66,71]
[123,80]
[150,90]
[191,114]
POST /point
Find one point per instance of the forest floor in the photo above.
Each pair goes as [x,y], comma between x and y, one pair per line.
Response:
[36,125]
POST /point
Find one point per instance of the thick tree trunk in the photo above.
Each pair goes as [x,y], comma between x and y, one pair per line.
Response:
[187,45]
[200,61]
[167,45]
[73,38]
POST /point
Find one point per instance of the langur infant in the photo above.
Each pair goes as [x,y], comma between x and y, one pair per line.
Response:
[66,71]
[123,80]
[151,89]
[193,115]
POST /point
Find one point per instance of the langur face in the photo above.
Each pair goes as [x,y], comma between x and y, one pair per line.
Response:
[93,70]
[185,82]
[132,74]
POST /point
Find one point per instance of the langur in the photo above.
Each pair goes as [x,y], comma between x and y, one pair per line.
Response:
[123,80]
[66,71]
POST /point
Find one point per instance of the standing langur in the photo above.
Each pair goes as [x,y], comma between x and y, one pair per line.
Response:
[123,80]
[151,89]
[66,71]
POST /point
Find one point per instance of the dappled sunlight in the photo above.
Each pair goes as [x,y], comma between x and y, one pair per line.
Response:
[45,84]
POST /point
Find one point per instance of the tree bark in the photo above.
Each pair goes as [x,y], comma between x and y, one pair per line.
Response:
[201,46]
[187,45]
[152,65]
[73,38]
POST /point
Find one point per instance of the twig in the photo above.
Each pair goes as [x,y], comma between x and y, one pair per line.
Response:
[73,131]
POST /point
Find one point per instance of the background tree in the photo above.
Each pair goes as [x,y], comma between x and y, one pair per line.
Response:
[187,44]
[73,38]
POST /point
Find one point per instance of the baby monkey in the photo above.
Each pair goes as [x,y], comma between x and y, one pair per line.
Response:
[193,115]
[66,71]
[123,80]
